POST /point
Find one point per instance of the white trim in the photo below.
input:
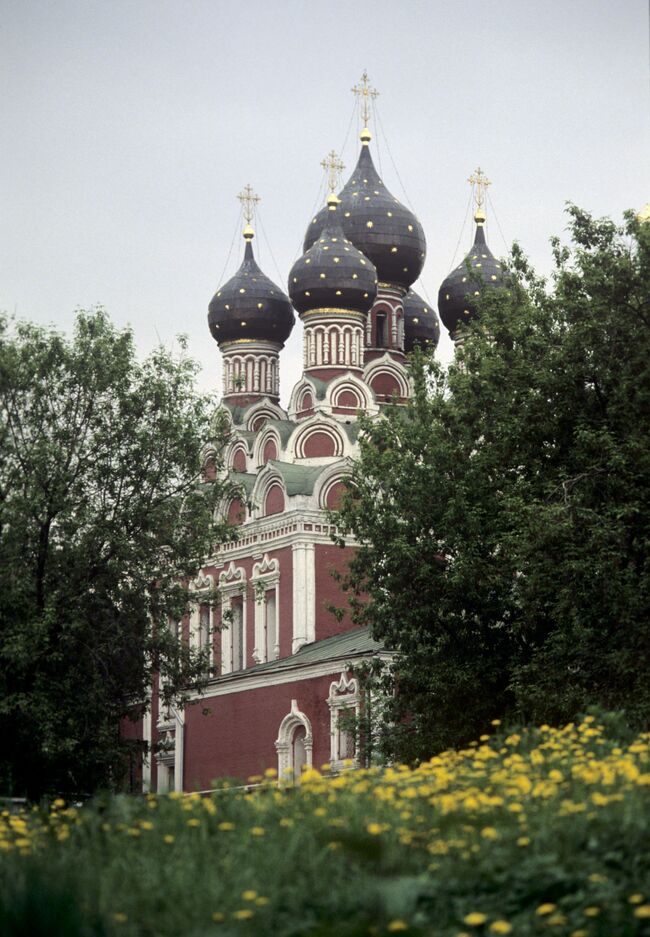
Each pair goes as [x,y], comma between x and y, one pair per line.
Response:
[303,556]
[243,681]
[265,576]
[292,721]
[232,583]
[343,695]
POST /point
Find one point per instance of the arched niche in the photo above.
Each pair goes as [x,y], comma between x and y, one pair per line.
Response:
[294,742]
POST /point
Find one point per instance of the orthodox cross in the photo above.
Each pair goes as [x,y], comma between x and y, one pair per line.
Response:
[479,182]
[248,200]
[365,94]
[334,167]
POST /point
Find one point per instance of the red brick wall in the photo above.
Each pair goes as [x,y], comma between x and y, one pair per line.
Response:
[236,738]
[328,591]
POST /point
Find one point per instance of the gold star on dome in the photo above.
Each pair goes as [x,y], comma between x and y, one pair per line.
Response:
[334,167]
[479,182]
[365,94]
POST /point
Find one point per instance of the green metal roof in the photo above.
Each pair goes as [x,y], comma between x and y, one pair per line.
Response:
[340,647]
[298,479]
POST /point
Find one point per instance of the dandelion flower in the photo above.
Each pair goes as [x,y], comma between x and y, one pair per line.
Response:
[258,831]
[500,927]
[643,911]
[475,919]
[546,908]
[168,838]
[397,925]
[249,895]
[244,914]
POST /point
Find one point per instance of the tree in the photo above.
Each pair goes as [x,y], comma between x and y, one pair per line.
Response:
[104,519]
[503,516]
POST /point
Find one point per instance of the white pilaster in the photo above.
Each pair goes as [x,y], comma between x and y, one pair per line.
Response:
[304,595]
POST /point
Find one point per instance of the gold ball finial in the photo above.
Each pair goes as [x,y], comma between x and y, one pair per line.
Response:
[333,201]
[365,136]
[248,233]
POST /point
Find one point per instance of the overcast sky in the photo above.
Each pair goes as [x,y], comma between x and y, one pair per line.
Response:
[129,126]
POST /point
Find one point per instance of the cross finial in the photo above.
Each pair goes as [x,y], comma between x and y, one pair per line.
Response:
[334,167]
[479,182]
[366,94]
[248,200]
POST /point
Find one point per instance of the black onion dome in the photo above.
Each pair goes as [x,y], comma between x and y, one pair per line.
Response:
[250,305]
[460,291]
[332,273]
[378,224]
[421,323]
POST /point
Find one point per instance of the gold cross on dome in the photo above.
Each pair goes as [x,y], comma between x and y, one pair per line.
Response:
[248,200]
[479,182]
[334,167]
[366,94]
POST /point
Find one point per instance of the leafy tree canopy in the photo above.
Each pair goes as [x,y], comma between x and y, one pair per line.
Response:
[503,516]
[104,519]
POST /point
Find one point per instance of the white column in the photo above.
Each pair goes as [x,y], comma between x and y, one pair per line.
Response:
[304,595]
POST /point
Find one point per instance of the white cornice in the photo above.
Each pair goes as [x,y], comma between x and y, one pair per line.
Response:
[242,682]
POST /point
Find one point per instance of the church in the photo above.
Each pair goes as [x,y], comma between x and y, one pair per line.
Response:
[281,661]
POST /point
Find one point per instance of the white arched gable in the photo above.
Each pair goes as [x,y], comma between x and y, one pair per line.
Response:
[266,409]
[264,435]
[336,472]
[296,396]
[293,720]
[319,423]
[387,365]
[352,383]
[267,476]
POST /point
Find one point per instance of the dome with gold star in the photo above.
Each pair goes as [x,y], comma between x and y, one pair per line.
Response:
[421,323]
[377,223]
[332,273]
[250,305]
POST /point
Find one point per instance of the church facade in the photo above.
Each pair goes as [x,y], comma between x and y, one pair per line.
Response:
[281,661]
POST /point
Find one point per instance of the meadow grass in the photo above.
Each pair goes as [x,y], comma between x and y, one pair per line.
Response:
[543,831]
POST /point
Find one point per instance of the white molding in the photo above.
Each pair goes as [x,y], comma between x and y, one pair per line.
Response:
[343,695]
[232,583]
[304,594]
[293,720]
[242,682]
[265,576]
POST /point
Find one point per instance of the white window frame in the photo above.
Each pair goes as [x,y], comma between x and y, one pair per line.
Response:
[232,584]
[292,721]
[202,587]
[344,697]
[265,578]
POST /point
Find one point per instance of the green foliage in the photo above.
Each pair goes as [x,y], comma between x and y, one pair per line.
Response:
[103,517]
[537,832]
[503,516]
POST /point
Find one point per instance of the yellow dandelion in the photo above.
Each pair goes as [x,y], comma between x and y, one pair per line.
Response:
[475,919]
[258,831]
[261,901]
[375,829]
[546,908]
[244,914]
[642,911]
[249,895]
[397,925]
[635,899]
[218,917]
[226,825]
[592,911]
[193,822]
[120,918]
[489,832]
[168,838]
[500,927]
[146,825]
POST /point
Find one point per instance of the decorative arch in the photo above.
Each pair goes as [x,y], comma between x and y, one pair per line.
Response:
[386,378]
[274,500]
[343,700]
[347,394]
[268,478]
[318,440]
[267,446]
[302,392]
[238,460]
[293,723]
[260,412]
[330,484]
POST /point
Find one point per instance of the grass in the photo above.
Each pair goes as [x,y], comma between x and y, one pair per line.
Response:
[546,831]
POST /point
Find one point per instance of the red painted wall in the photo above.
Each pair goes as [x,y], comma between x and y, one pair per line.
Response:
[236,738]
[274,503]
[328,592]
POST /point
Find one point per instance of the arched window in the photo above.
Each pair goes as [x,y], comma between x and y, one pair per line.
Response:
[274,501]
[294,744]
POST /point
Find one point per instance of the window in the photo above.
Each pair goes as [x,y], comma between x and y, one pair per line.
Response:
[294,744]
[271,631]
[204,627]
[344,704]
[381,330]
[237,633]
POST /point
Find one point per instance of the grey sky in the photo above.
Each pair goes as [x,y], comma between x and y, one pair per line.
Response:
[129,127]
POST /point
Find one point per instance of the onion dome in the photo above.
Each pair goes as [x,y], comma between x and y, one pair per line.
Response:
[378,224]
[332,273]
[250,305]
[460,291]
[421,323]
